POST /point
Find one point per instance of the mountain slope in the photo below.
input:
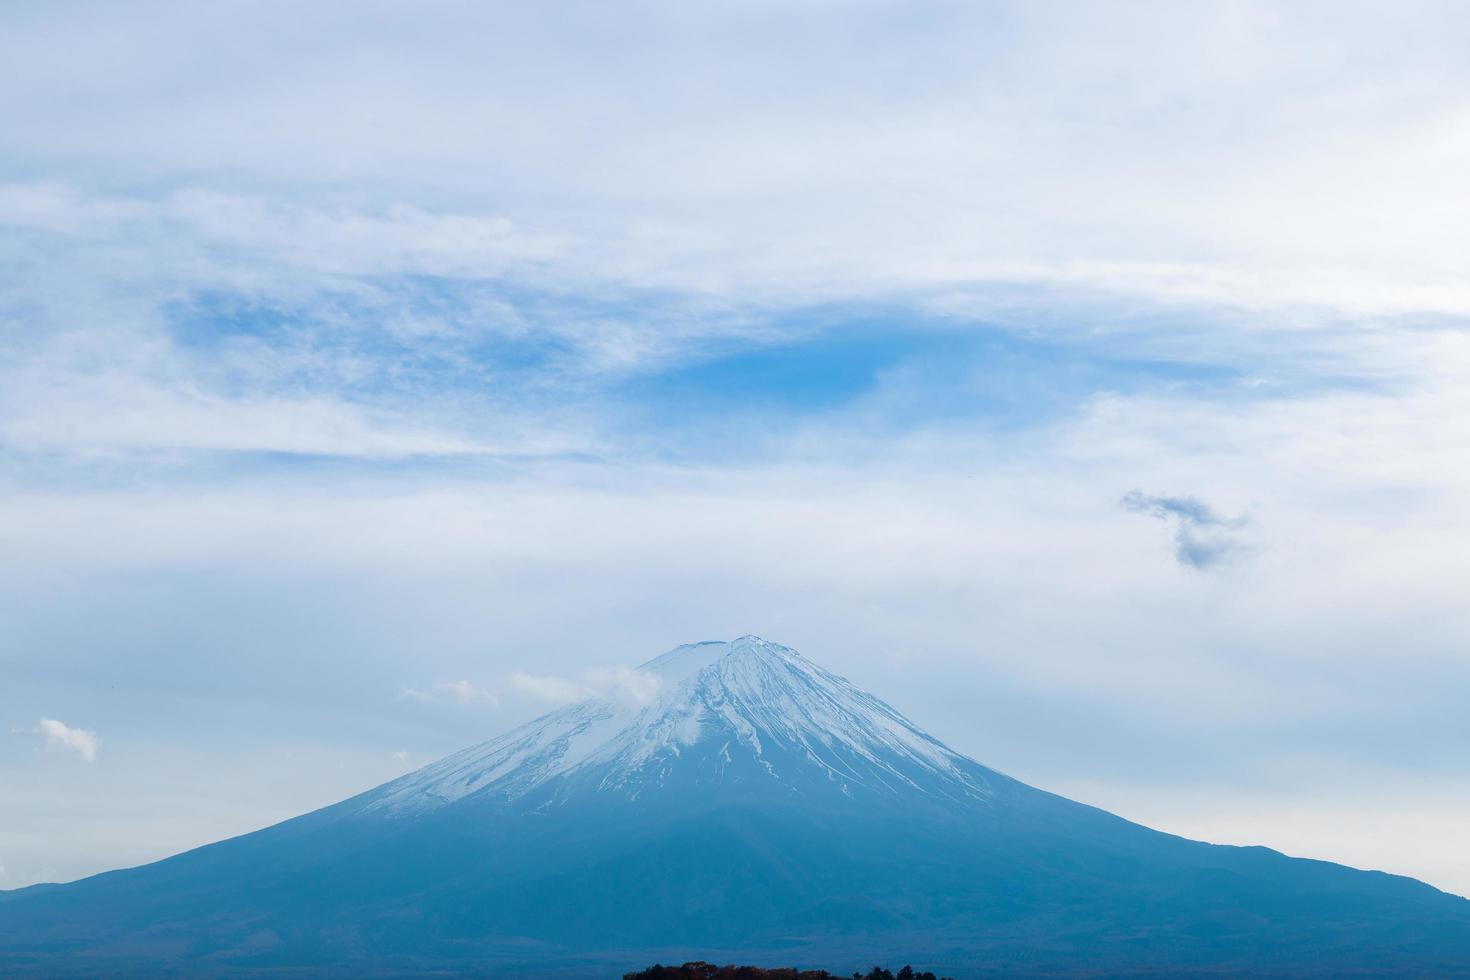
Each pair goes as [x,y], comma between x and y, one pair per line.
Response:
[737,798]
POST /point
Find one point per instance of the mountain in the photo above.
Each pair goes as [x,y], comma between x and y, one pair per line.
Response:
[747,721]
[736,802]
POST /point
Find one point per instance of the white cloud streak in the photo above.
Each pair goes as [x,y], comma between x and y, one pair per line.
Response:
[621,684]
[462,691]
[63,737]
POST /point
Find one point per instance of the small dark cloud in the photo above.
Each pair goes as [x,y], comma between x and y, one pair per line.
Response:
[1202,538]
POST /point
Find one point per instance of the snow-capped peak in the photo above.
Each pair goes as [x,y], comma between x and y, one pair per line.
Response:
[746,716]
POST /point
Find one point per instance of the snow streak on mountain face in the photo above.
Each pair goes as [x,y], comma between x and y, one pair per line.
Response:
[745,718]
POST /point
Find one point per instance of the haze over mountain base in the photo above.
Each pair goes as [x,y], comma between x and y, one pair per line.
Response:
[742,805]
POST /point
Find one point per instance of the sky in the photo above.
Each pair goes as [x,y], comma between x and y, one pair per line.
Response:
[1085,379]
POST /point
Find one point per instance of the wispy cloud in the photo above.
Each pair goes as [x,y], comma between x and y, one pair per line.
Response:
[61,736]
[981,166]
[417,312]
[463,691]
[1202,538]
[623,684]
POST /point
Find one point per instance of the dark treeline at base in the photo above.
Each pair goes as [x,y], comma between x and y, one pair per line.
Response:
[700,970]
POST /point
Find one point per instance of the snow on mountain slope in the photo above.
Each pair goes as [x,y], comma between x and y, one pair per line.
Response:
[747,713]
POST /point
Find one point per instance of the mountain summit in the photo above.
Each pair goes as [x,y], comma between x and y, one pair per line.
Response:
[745,720]
[727,801]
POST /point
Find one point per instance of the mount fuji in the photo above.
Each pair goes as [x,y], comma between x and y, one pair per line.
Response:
[735,801]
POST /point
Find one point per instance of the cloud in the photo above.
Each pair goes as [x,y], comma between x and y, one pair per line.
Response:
[557,690]
[1202,538]
[59,735]
[463,691]
[982,164]
[409,315]
[622,684]
[466,692]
